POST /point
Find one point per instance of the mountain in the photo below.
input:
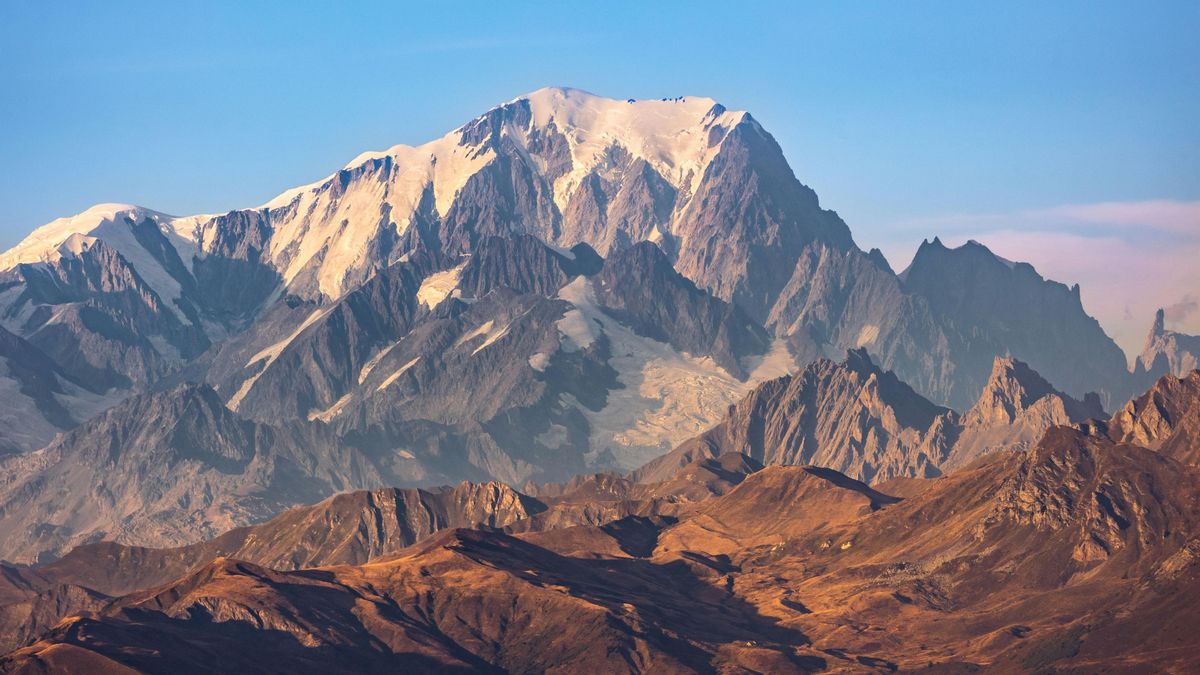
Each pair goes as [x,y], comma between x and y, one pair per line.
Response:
[1167,351]
[1001,308]
[162,469]
[566,284]
[1166,418]
[537,357]
[1074,556]
[348,528]
[515,362]
[710,187]
[864,422]
[1016,407]
[116,296]
[40,397]
[853,417]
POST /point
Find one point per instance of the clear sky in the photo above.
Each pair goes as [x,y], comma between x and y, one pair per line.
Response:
[1064,133]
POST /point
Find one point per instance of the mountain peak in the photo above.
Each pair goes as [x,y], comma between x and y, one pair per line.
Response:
[1016,407]
[42,245]
[1168,351]
[1158,328]
[1166,418]
[1016,382]
[1014,388]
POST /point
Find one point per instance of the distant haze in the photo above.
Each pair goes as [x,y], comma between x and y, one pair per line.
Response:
[1129,258]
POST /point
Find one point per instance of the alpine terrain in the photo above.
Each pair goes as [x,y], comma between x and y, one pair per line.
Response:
[583,384]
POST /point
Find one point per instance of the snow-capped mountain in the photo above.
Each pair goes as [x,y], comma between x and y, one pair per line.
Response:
[128,298]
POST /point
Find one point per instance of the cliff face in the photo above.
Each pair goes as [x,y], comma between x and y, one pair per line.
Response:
[1166,418]
[163,469]
[994,307]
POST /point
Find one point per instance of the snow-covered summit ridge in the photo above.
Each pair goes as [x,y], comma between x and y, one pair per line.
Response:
[335,220]
[106,222]
[674,135]
[670,133]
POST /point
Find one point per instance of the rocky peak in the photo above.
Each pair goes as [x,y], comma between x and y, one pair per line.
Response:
[1013,388]
[1166,418]
[1002,307]
[524,264]
[1167,351]
[851,416]
[640,287]
[1016,406]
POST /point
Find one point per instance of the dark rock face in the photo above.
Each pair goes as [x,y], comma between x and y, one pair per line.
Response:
[39,398]
[1004,308]
[745,227]
[525,265]
[235,277]
[641,288]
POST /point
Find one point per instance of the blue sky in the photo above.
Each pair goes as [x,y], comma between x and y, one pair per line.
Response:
[985,120]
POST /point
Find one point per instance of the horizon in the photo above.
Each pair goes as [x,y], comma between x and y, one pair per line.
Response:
[1021,145]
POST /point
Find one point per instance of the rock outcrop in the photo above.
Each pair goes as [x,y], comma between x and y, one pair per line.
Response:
[1167,352]
[1016,407]
[1166,418]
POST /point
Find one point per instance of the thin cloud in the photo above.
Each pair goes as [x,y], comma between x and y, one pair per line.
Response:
[1167,216]
[1180,311]
[1182,217]
[1129,258]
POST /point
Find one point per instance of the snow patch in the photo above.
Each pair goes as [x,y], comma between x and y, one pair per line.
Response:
[562,250]
[165,349]
[370,365]
[437,286]
[540,361]
[330,412]
[491,336]
[672,135]
[392,378]
[270,354]
[555,437]
[867,335]
[481,329]
[578,331]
